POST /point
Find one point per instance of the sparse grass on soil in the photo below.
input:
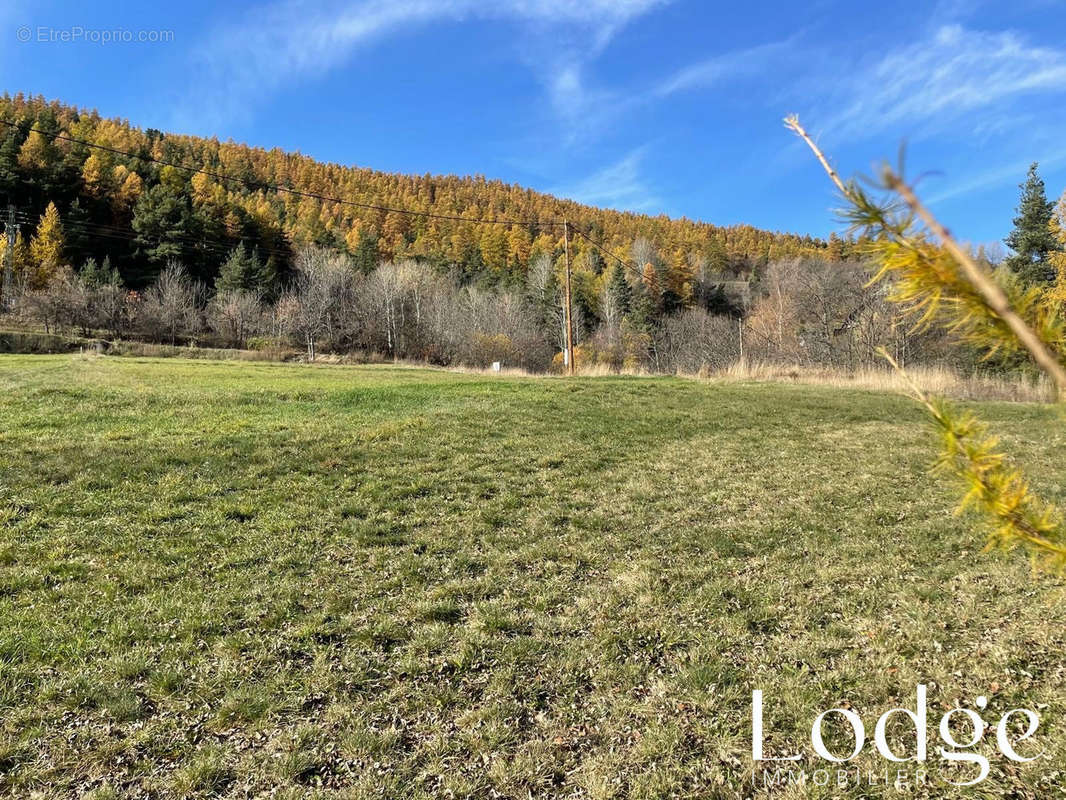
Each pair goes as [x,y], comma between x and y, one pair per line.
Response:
[232,579]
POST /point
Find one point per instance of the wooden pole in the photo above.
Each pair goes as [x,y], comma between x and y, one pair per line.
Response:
[569,318]
[10,229]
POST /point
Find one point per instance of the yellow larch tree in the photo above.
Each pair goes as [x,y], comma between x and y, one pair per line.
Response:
[46,247]
[1058,228]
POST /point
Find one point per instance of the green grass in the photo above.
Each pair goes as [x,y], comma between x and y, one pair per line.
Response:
[223,579]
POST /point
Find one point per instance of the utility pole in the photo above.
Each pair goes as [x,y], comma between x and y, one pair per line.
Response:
[569,319]
[10,229]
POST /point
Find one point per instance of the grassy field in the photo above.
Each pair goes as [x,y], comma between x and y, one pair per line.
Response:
[224,579]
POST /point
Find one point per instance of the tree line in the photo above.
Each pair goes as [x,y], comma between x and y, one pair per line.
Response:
[699,301]
[803,311]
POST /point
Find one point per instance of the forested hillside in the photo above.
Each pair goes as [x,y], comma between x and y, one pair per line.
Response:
[138,234]
[122,203]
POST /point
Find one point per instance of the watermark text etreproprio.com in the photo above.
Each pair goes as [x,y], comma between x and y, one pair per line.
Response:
[77,34]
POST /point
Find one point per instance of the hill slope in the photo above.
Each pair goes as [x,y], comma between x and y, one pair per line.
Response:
[122,203]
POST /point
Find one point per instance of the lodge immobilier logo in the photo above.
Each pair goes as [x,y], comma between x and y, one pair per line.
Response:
[951,748]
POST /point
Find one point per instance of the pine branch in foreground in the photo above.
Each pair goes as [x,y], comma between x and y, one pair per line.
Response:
[997,313]
[971,455]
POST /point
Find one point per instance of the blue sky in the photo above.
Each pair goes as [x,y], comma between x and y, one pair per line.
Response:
[660,106]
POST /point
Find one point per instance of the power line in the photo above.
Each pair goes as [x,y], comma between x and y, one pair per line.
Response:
[603,250]
[213,247]
[257,185]
[111,232]
[190,239]
[218,246]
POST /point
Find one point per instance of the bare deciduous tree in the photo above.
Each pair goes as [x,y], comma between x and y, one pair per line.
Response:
[171,307]
[314,308]
[694,340]
[235,315]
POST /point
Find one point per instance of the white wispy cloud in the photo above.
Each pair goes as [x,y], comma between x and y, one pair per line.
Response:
[713,71]
[924,84]
[951,72]
[619,185]
[296,40]
[995,176]
[588,109]
[584,110]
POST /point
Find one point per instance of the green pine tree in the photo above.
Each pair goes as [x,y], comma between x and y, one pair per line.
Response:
[642,313]
[717,257]
[620,290]
[1032,240]
[90,272]
[108,274]
[163,222]
[366,256]
[241,271]
[10,182]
